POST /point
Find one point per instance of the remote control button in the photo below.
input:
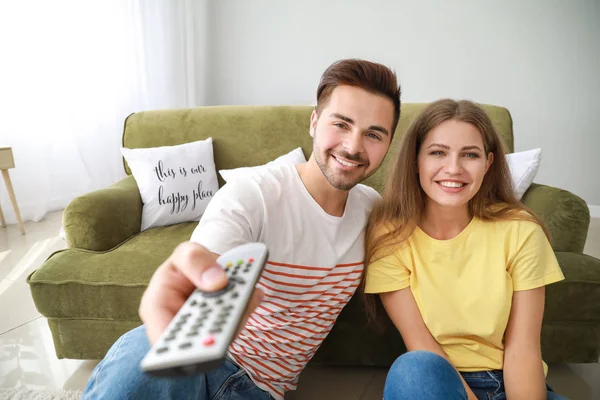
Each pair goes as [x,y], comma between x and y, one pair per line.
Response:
[197,326]
[169,338]
[248,265]
[234,295]
[251,260]
[227,308]
[193,303]
[215,330]
[208,341]
[229,264]
[203,304]
[192,333]
[218,293]
[240,262]
[162,349]
[219,301]
[185,345]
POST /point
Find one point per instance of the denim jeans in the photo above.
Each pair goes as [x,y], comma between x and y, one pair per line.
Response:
[420,375]
[118,376]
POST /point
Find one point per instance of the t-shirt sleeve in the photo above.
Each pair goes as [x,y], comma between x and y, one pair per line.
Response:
[233,217]
[534,264]
[388,273]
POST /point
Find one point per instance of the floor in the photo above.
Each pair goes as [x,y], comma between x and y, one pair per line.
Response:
[27,355]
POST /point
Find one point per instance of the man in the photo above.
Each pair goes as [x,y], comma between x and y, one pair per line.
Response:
[312,219]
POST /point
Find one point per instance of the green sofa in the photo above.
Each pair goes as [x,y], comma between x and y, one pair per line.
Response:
[90,292]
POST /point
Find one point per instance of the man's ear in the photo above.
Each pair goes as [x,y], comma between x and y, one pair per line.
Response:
[313,122]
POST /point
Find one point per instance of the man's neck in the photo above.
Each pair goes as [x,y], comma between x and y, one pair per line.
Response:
[444,223]
[331,200]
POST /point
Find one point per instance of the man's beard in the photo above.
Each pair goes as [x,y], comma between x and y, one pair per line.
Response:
[337,179]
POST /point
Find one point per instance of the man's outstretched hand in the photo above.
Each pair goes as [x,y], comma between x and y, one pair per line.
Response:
[190,266]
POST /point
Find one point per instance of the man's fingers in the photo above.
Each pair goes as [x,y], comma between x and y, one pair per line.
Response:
[198,265]
[158,316]
[255,300]
[190,266]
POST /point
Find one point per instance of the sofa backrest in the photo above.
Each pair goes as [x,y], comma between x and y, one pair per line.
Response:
[255,135]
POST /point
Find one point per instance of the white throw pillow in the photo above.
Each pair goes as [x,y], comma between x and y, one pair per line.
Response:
[176,183]
[523,169]
[294,157]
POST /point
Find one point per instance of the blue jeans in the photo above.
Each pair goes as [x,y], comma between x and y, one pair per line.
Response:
[421,375]
[118,376]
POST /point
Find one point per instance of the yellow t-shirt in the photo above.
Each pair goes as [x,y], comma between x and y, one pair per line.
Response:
[464,286]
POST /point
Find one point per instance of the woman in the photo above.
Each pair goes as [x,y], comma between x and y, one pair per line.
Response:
[460,264]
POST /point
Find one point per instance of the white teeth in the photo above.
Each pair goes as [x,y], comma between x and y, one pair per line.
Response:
[452,184]
[347,164]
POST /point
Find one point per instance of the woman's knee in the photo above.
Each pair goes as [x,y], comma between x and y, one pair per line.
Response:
[423,374]
[419,361]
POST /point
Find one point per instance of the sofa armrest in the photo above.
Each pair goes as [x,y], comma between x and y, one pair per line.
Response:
[566,215]
[104,218]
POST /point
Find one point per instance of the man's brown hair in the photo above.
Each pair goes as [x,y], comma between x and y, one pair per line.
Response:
[372,77]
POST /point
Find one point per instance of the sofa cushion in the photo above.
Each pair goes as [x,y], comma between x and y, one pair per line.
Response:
[176,183]
[76,283]
[523,167]
[294,157]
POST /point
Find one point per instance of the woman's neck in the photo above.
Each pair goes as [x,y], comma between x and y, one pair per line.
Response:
[444,223]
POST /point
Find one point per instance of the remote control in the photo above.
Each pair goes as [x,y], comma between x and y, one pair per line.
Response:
[198,337]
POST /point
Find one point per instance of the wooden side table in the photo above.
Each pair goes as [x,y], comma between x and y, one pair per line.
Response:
[7,161]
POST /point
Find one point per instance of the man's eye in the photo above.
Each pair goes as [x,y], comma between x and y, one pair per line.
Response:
[340,125]
[374,136]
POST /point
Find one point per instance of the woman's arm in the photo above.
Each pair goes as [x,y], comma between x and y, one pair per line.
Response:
[523,370]
[402,309]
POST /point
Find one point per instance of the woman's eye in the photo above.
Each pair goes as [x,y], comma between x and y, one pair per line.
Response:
[437,153]
[472,155]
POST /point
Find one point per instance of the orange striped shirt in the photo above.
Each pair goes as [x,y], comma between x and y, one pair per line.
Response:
[299,309]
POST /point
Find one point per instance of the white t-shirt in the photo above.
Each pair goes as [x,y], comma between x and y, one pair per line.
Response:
[314,267]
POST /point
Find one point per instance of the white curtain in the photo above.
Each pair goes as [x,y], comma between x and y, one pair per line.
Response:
[70,73]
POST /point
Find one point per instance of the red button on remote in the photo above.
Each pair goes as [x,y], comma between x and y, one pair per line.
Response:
[251,260]
[208,341]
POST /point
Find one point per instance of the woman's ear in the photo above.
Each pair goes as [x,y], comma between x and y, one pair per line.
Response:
[490,160]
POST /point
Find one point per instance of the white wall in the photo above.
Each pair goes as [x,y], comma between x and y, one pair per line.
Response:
[538,58]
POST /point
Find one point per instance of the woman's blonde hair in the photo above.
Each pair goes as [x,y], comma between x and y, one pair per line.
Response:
[395,217]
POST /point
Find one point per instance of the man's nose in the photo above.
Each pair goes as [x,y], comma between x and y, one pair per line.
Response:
[353,143]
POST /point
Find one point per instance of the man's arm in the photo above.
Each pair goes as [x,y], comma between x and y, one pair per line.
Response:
[402,309]
[523,369]
[233,217]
